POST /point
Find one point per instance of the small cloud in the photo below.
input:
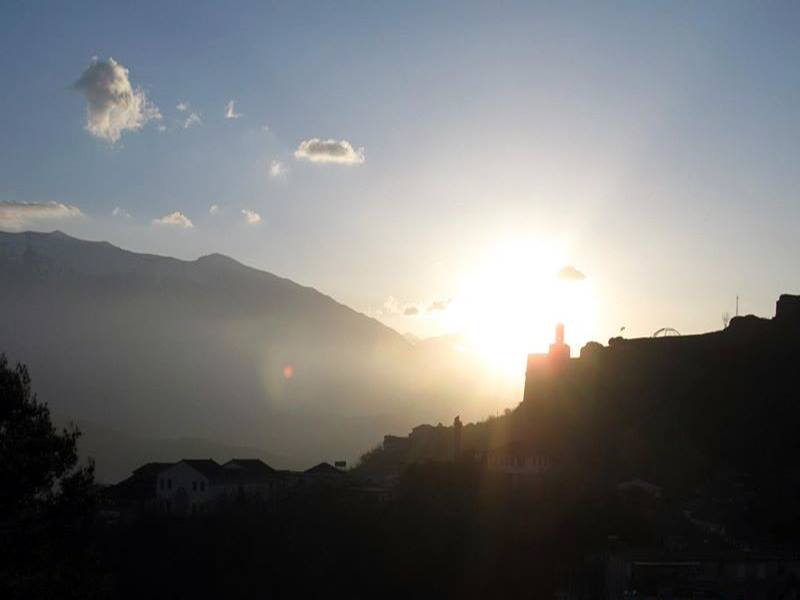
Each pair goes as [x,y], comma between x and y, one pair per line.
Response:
[191,120]
[251,216]
[161,127]
[329,151]
[214,209]
[439,305]
[182,106]
[113,105]
[17,215]
[265,129]
[230,111]
[175,219]
[277,168]
[393,307]
[121,213]
[570,273]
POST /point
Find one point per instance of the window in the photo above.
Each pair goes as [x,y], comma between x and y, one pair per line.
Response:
[161,484]
[194,486]
[169,484]
[202,486]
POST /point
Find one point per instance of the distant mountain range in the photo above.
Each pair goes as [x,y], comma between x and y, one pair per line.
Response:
[159,348]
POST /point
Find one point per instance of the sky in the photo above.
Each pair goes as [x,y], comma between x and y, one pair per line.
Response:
[434,165]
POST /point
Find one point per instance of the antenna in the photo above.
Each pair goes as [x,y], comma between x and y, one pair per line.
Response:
[737,306]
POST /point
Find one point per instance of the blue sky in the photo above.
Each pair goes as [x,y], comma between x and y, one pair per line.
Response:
[654,145]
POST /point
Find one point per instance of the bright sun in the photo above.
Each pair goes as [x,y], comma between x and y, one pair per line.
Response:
[509,305]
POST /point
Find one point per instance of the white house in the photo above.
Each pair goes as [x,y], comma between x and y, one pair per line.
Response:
[190,487]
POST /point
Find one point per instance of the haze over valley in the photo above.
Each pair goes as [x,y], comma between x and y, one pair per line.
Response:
[144,351]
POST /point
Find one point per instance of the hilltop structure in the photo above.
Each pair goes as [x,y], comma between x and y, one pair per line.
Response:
[544,368]
[546,373]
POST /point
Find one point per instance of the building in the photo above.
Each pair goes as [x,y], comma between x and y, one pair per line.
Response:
[191,487]
[134,495]
[197,486]
[521,461]
[323,474]
[543,370]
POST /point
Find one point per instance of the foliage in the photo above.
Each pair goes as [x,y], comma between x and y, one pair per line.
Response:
[45,496]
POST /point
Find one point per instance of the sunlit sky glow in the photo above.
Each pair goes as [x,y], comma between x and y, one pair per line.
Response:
[434,166]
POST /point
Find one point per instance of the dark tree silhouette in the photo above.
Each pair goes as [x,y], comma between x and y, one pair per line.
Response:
[45,496]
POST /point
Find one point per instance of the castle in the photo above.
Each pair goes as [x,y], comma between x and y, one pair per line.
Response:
[545,371]
[542,369]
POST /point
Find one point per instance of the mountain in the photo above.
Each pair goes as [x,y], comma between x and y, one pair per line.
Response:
[160,348]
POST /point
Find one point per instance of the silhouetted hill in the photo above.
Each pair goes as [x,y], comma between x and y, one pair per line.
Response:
[160,348]
[710,418]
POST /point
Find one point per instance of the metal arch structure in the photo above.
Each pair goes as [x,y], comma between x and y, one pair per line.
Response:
[666,332]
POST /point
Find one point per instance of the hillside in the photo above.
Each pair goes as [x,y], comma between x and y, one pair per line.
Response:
[711,419]
[159,348]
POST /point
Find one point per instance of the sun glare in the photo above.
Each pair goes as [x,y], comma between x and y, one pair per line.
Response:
[509,305]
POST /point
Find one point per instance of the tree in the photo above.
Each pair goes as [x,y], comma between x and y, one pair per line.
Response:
[45,495]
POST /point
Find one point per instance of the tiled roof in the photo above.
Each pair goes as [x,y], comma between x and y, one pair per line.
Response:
[209,468]
[323,469]
[248,470]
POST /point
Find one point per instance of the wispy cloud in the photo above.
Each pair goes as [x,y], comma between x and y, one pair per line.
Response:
[214,209]
[570,273]
[192,120]
[230,111]
[17,215]
[439,305]
[277,168]
[113,106]
[182,106]
[175,219]
[251,216]
[121,213]
[393,307]
[329,151]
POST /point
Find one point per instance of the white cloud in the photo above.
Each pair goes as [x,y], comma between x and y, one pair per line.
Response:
[439,305]
[182,106]
[230,111]
[16,215]
[570,273]
[330,151]
[265,129]
[412,310]
[121,213]
[191,120]
[251,216]
[393,307]
[214,209]
[113,104]
[175,219]
[277,168]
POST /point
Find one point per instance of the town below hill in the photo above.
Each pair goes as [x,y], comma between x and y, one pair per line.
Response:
[652,468]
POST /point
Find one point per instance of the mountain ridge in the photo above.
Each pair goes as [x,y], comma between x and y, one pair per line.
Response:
[212,349]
